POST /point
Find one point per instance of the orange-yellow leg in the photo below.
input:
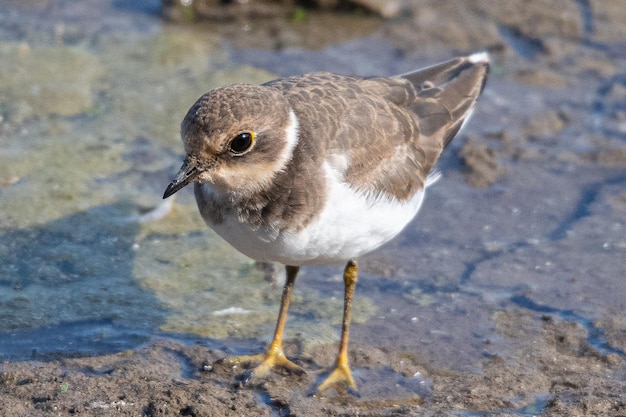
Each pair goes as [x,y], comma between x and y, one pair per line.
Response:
[341,376]
[274,357]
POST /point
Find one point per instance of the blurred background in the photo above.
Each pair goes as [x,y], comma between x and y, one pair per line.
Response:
[527,225]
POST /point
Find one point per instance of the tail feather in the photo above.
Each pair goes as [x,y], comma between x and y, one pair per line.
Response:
[447,93]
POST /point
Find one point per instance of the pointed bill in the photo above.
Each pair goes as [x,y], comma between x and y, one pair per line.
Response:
[187,173]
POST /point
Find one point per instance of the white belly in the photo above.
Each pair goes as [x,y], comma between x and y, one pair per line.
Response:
[350,225]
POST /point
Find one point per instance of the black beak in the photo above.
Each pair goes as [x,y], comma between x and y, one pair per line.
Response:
[187,173]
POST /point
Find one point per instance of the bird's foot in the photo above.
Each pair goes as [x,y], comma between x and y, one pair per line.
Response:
[272,360]
[340,379]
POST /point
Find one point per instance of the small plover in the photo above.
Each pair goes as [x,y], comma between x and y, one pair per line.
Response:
[321,168]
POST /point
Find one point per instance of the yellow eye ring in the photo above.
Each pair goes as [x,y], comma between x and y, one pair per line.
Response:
[242,143]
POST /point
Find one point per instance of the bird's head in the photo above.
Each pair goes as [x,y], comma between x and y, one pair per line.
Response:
[236,138]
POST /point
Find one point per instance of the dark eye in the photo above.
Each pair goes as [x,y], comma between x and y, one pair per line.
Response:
[241,143]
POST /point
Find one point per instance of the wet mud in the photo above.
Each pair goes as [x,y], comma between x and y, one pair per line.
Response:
[505,297]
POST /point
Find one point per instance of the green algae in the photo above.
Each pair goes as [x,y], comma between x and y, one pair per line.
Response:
[212,290]
[49,79]
[149,85]
[71,243]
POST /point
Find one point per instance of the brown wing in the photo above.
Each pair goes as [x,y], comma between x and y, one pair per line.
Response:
[391,129]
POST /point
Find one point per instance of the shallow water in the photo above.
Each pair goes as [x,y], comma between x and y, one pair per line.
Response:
[91,97]
[90,121]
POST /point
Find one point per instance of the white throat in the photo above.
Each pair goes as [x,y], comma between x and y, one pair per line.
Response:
[292,133]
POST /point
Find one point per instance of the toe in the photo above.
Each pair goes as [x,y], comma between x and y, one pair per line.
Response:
[340,379]
[263,364]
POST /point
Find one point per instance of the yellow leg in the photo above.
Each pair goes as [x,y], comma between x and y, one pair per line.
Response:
[274,356]
[341,376]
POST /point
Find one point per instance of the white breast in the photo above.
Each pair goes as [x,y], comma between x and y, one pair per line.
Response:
[350,224]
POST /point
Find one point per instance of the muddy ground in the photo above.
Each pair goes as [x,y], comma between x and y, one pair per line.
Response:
[528,319]
[555,367]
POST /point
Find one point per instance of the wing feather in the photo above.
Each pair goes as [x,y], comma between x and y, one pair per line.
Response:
[384,134]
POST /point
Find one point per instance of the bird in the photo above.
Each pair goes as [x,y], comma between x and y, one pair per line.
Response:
[320,169]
